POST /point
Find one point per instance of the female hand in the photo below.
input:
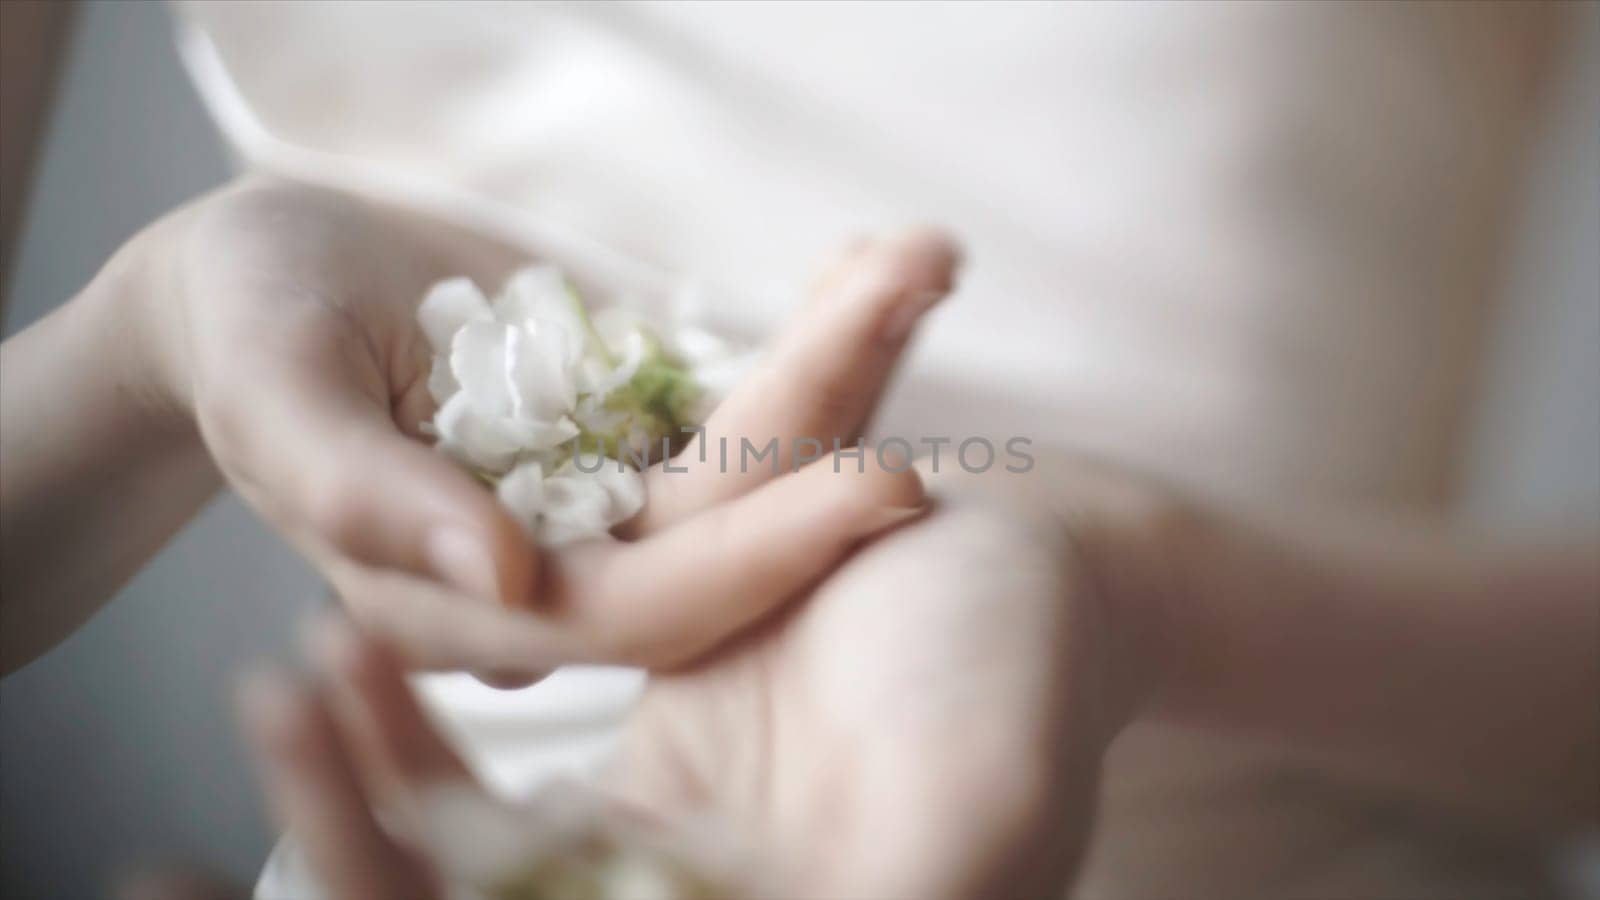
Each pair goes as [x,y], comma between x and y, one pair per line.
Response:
[929,722]
[280,319]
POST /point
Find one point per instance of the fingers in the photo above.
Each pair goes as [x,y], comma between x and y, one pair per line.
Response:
[429,627]
[660,602]
[656,602]
[829,368]
[307,435]
[382,720]
[824,377]
[309,776]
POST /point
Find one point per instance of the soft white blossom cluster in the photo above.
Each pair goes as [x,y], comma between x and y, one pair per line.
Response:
[547,403]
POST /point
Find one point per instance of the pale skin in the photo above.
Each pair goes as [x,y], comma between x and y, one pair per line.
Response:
[930,721]
[923,716]
[270,329]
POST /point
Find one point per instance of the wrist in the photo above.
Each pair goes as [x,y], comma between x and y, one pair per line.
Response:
[1132,538]
[1135,542]
[1210,611]
[1135,538]
[131,315]
[99,469]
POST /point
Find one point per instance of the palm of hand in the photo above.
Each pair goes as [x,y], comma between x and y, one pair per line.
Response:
[303,295]
[921,717]
[927,723]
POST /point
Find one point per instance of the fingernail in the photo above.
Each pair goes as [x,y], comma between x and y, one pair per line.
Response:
[461,560]
[905,315]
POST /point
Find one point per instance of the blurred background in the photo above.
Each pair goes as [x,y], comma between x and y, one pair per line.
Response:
[119,746]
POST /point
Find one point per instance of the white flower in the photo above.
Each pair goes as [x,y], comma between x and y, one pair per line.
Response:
[713,363]
[520,378]
[505,375]
[583,499]
[447,306]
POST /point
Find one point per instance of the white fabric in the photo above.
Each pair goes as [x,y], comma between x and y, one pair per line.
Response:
[1244,245]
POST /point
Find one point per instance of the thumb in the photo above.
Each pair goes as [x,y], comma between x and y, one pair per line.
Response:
[313,446]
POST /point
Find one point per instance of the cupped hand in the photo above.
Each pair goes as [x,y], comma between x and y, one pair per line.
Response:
[928,722]
[287,329]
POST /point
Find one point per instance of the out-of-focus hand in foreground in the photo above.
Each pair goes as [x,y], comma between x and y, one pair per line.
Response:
[931,719]
[928,723]
[271,327]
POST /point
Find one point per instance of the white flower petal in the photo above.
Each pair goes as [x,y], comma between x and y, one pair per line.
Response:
[594,418]
[442,384]
[446,307]
[615,323]
[522,493]
[623,485]
[479,362]
[541,292]
[543,383]
[530,291]
[579,505]
[576,508]
[634,347]
[489,443]
[696,346]
[589,374]
[598,378]
[547,435]
[518,379]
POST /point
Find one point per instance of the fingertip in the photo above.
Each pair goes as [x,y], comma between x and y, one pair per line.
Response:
[483,552]
[768,545]
[894,457]
[885,476]
[444,525]
[871,497]
[927,260]
[917,264]
[887,518]
[935,247]
[507,680]
[896,483]
[915,270]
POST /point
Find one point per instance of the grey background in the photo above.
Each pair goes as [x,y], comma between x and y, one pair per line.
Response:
[119,747]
